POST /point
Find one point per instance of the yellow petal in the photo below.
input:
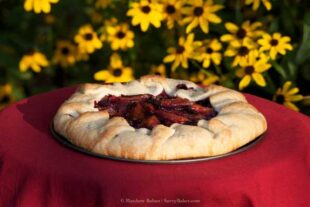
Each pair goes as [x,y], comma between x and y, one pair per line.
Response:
[216,58]
[204,25]
[259,79]
[101,75]
[214,18]
[22,66]
[227,37]
[291,106]
[288,47]
[286,86]
[36,68]
[232,28]
[144,25]
[184,63]
[273,53]
[175,64]
[262,68]
[215,45]
[46,7]
[295,98]
[169,58]
[230,52]
[28,5]
[37,6]
[192,25]
[285,39]
[216,8]
[244,82]
[267,4]
[292,91]
[206,63]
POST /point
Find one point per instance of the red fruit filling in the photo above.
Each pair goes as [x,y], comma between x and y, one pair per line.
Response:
[147,111]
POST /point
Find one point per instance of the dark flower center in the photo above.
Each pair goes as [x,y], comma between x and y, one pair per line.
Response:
[243,51]
[5,99]
[157,73]
[241,33]
[117,72]
[274,42]
[180,49]
[88,36]
[198,11]
[65,51]
[146,9]
[120,35]
[209,50]
[249,70]
[280,99]
[170,9]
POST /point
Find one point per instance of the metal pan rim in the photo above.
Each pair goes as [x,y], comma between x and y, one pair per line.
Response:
[70,145]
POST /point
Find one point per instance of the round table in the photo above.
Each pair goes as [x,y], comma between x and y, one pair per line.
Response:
[36,170]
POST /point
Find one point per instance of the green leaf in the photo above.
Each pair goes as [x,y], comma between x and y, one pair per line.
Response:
[304,50]
[279,69]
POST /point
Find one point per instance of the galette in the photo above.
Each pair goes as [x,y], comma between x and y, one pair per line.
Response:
[156,118]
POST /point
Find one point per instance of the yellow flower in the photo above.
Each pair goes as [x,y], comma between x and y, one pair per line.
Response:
[204,78]
[184,51]
[200,13]
[120,37]
[103,3]
[116,71]
[241,53]
[275,44]
[87,39]
[159,70]
[256,3]
[6,97]
[211,53]
[172,11]
[252,69]
[65,54]
[145,13]
[112,22]
[287,95]
[39,5]
[246,31]
[33,60]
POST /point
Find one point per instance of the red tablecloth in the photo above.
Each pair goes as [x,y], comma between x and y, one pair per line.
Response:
[36,170]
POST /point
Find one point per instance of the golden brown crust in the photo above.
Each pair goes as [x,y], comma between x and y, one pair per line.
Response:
[236,124]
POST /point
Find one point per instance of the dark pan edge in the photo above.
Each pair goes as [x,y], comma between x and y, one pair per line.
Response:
[68,144]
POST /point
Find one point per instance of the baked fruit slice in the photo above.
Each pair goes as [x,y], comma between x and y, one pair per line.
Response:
[156,118]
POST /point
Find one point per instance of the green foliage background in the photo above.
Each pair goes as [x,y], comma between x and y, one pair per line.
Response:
[22,31]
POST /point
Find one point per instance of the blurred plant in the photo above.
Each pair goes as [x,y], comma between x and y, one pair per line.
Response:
[158,70]
[200,12]
[116,72]
[33,60]
[39,6]
[6,95]
[145,13]
[183,52]
[87,39]
[287,95]
[249,45]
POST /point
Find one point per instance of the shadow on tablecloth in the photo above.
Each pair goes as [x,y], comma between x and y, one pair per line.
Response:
[40,115]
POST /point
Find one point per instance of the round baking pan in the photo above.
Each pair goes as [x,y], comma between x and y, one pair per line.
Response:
[68,144]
